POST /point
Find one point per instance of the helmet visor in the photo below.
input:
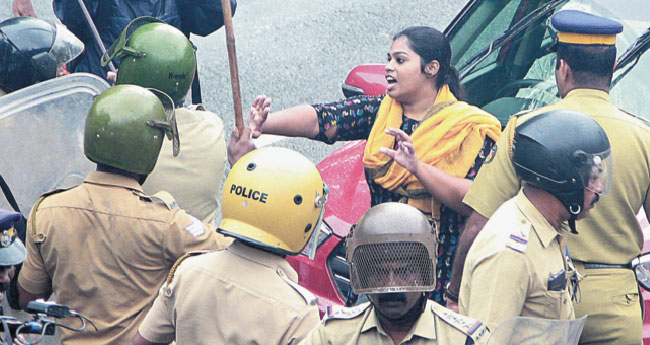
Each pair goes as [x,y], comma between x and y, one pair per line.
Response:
[66,46]
[399,266]
[597,172]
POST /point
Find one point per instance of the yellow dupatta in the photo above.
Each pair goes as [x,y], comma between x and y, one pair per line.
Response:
[449,138]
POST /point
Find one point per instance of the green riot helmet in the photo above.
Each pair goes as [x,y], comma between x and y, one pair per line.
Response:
[155,55]
[125,128]
[563,152]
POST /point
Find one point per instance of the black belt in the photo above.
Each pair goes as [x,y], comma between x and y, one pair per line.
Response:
[592,266]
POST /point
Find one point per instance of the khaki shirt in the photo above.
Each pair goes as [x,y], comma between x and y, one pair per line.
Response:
[610,234]
[240,295]
[509,265]
[359,325]
[195,176]
[105,248]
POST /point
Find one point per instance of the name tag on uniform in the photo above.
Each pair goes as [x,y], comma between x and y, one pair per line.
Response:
[557,282]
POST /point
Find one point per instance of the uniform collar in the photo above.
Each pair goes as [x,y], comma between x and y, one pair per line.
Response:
[425,326]
[270,260]
[589,93]
[111,179]
[540,225]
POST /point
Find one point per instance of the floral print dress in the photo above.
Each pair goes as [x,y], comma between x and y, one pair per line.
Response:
[354,118]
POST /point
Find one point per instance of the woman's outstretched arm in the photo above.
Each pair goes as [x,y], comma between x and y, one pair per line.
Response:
[298,121]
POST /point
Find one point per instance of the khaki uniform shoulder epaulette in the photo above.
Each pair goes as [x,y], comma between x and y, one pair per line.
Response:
[162,197]
[309,298]
[641,119]
[166,199]
[339,312]
[509,131]
[196,107]
[35,208]
[521,113]
[474,329]
[170,276]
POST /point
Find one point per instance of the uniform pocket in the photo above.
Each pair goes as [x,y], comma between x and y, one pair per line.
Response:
[626,299]
[558,303]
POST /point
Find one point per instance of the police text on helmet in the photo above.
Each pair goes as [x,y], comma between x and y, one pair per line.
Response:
[249,193]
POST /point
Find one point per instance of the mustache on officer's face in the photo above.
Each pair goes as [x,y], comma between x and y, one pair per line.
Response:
[595,200]
[392,297]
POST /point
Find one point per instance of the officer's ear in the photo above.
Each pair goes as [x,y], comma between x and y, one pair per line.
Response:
[563,70]
[563,77]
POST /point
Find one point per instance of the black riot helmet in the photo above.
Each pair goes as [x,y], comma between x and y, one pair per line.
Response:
[563,152]
[32,49]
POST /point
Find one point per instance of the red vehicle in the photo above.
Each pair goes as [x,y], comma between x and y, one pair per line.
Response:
[501,51]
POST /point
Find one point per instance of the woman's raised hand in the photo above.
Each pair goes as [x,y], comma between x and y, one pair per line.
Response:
[404,154]
[257,114]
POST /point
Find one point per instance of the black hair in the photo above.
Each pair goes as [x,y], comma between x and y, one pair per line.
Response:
[591,65]
[431,44]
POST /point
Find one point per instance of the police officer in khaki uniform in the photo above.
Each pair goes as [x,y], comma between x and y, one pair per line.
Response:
[518,264]
[104,247]
[392,256]
[610,236]
[248,294]
[157,55]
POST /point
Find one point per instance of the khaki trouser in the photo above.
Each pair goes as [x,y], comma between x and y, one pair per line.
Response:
[611,299]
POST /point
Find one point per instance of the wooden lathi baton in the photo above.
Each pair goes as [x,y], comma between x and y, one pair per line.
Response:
[232,61]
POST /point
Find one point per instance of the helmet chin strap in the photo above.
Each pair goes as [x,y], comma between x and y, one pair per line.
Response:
[574,210]
[572,226]
[572,201]
[410,316]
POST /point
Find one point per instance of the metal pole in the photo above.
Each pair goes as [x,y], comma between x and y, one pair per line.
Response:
[98,40]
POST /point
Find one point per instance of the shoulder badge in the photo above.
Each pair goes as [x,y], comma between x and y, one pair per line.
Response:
[309,298]
[518,239]
[166,199]
[474,329]
[170,276]
[339,312]
[196,228]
